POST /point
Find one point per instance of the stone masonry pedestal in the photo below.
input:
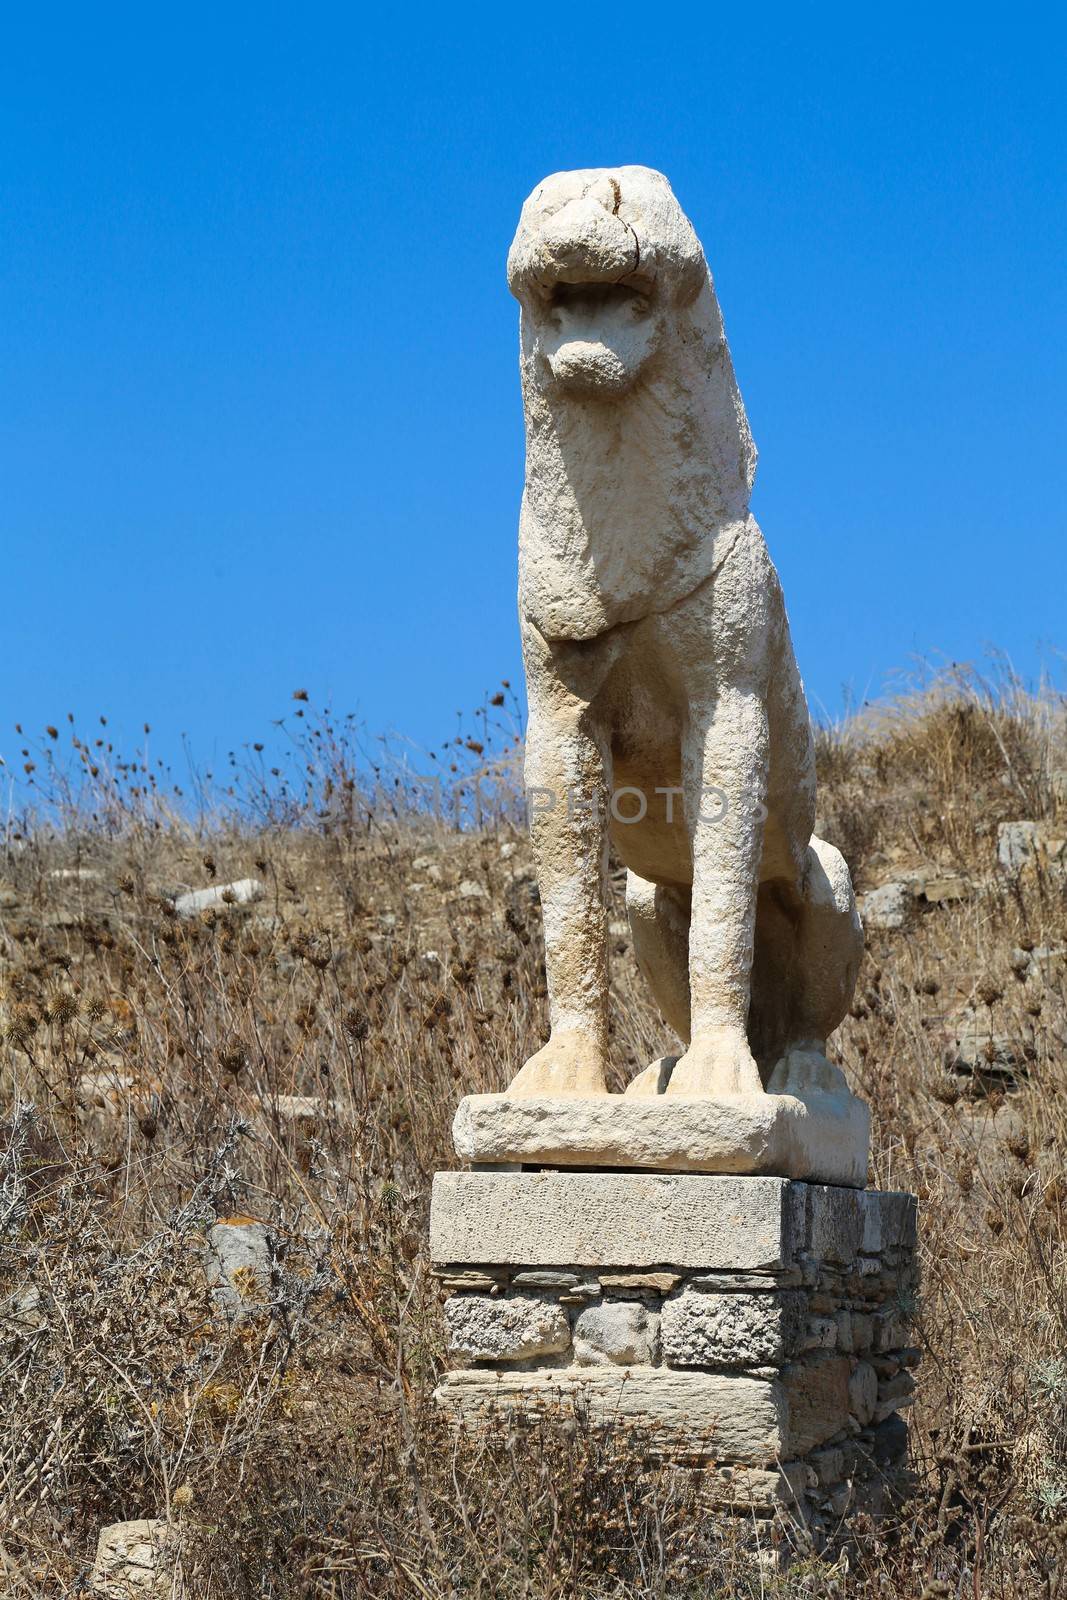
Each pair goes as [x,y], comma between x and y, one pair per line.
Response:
[756,1326]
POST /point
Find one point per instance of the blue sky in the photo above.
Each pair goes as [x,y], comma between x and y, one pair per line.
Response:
[260,411]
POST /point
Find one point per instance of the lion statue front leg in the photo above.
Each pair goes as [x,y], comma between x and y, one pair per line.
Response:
[567,781]
[724,762]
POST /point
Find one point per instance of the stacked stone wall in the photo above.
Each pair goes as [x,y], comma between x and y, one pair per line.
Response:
[784,1363]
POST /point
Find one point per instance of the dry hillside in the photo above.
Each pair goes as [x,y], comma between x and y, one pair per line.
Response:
[297,1058]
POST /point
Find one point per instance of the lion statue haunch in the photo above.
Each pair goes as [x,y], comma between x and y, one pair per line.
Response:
[659,667]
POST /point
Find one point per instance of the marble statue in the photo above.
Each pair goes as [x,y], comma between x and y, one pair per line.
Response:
[666,710]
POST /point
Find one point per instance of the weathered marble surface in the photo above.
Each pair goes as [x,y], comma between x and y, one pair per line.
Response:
[817,1136]
[632,1220]
[135,1559]
[666,709]
[611,1218]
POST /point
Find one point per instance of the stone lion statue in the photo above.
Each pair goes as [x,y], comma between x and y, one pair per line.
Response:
[666,710]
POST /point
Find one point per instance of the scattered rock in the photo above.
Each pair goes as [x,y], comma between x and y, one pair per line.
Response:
[135,1559]
[238,1261]
[945,890]
[1044,964]
[304,1108]
[219,896]
[105,1103]
[975,1050]
[22,1312]
[1025,846]
[75,875]
[105,1091]
[471,890]
[1016,846]
[64,918]
[886,908]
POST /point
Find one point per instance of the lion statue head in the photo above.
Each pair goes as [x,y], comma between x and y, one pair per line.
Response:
[624,361]
[600,261]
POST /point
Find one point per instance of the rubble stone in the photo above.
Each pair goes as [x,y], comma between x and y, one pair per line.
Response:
[704,1329]
[640,1282]
[620,1331]
[863,1392]
[513,1329]
[817,1391]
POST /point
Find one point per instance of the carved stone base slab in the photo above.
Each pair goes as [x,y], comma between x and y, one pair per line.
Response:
[820,1138]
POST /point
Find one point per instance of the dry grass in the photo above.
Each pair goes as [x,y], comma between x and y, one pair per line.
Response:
[299,1446]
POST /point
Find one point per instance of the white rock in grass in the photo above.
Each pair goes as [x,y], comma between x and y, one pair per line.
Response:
[886,908]
[1016,846]
[135,1559]
[105,1091]
[304,1109]
[220,895]
[238,1261]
